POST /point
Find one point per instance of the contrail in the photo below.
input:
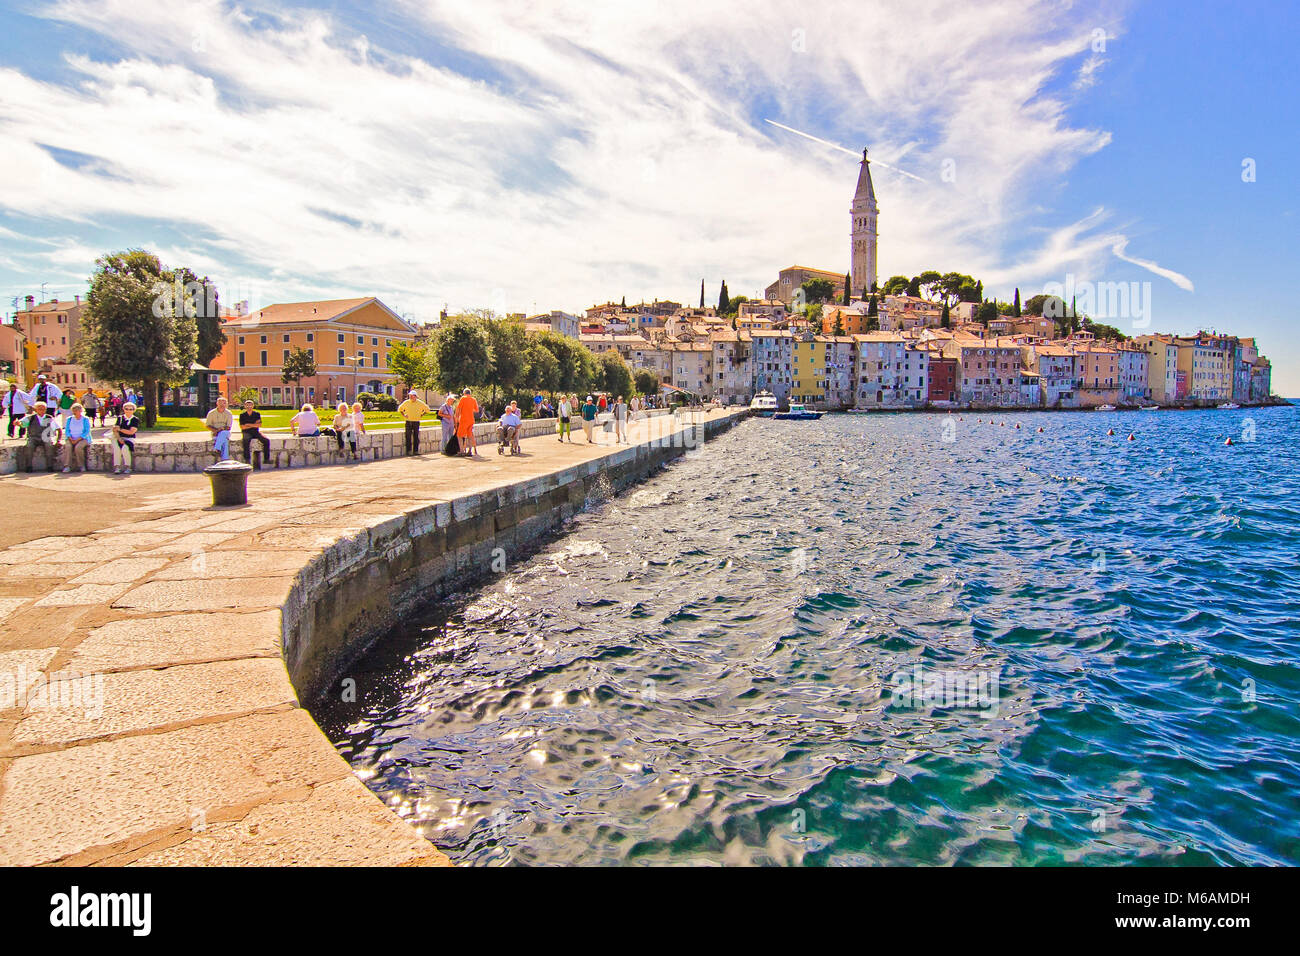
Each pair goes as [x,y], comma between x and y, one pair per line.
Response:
[826,142]
[1177,278]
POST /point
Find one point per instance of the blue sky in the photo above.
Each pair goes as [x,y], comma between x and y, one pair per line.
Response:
[524,156]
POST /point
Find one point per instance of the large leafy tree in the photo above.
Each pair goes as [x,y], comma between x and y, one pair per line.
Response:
[986,313]
[818,290]
[646,381]
[509,345]
[895,285]
[543,368]
[463,353]
[410,365]
[204,306]
[613,373]
[136,329]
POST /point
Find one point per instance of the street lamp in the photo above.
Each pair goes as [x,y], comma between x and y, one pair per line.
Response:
[356,361]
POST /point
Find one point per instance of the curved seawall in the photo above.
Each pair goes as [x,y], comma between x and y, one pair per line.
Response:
[185,637]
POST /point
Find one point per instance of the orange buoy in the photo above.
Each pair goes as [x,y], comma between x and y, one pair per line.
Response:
[1110,431]
[1130,436]
[1227,441]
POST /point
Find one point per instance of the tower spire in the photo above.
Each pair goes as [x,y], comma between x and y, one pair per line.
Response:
[863,214]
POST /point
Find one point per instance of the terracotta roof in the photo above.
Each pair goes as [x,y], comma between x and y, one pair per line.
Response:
[319,311]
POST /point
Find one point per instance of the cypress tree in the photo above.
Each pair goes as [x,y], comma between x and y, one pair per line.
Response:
[872,309]
[624,303]
[945,319]
[701,293]
[846,288]
[724,303]
[1015,306]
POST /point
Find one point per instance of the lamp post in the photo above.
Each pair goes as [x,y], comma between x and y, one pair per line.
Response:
[356,361]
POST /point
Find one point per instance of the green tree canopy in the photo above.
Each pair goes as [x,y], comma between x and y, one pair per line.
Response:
[613,374]
[724,303]
[297,366]
[463,353]
[895,285]
[818,290]
[410,365]
[508,343]
[986,313]
[543,368]
[646,381]
[134,329]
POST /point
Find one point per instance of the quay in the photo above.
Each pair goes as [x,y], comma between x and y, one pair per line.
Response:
[155,650]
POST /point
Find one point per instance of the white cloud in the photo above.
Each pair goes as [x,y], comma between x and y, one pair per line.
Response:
[584,153]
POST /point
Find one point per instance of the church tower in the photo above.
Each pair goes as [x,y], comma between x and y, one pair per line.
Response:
[864,212]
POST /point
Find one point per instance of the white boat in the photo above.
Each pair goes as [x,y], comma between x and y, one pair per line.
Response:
[1105,408]
[764,404]
[1229,405]
[798,413]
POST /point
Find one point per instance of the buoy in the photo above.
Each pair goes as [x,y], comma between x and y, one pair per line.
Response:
[1017,424]
[1040,428]
[1130,436]
[1227,441]
[1110,431]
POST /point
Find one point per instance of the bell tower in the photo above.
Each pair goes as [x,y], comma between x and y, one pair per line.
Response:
[863,214]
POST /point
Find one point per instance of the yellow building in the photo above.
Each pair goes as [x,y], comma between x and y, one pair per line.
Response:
[348,339]
[808,371]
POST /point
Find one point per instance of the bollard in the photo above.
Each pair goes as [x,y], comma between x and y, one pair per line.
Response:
[229,482]
[257,460]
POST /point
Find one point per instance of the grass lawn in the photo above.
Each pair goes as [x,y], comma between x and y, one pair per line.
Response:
[279,418]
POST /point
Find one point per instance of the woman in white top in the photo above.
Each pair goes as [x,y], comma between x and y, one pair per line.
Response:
[305,424]
[345,427]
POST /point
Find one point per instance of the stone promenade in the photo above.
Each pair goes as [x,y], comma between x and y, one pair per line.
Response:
[146,716]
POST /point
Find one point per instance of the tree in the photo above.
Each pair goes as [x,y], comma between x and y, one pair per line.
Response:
[646,381]
[723,301]
[297,366]
[1015,305]
[246,394]
[134,330]
[463,353]
[818,290]
[613,374]
[929,282]
[895,285]
[986,313]
[701,293]
[543,373]
[839,324]
[945,320]
[873,316]
[914,287]
[202,304]
[576,365]
[1034,304]
[509,346]
[410,365]
[623,304]
[847,289]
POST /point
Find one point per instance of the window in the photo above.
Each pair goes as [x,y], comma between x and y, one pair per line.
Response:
[311,336]
[264,340]
[241,340]
[264,359]
[361,340]
[341,356]
[241,359]
[374,359]
[340,339]
[286,336]
[374,341]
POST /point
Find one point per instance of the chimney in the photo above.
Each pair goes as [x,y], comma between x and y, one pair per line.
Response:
[31,302]
[77,299]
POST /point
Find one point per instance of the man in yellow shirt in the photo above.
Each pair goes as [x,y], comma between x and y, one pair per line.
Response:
[220,421]
[412,410]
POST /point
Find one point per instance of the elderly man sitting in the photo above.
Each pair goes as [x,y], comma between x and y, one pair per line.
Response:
[508,430]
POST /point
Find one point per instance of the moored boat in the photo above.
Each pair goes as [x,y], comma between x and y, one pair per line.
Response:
[798,413]
[1229,405]
[764,404]
[1105,408]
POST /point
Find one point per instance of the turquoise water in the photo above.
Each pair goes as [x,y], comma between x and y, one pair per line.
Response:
[706,669]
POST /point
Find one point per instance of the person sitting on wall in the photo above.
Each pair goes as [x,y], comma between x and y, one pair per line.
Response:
[250,425]
[306,424]
[42,432]
[508,430]
[220,422]
[77,430]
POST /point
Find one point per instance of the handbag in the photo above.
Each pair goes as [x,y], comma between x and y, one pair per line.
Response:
[452,448]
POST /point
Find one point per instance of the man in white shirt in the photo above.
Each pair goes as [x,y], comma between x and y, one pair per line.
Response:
[47,392]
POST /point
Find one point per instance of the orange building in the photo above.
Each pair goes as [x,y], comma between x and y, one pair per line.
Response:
[348,339]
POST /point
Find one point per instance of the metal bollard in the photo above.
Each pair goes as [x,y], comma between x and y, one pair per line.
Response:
[229,482]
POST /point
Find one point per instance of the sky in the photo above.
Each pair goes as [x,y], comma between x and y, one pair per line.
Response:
[527,156]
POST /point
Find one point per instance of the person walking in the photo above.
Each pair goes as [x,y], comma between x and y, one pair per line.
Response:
[90,402]
[220,422]
[620,421]
[466,410]
[566,413]
[345,428]
[124,431]
[18,405]
[412,410]
[250,427]
[589,418]
[77,430]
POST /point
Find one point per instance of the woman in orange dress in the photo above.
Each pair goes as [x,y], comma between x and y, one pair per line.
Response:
[466,409]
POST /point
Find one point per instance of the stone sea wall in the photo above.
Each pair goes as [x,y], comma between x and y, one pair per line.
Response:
[362,585]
